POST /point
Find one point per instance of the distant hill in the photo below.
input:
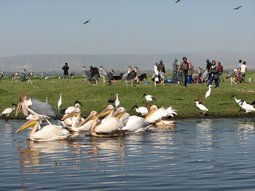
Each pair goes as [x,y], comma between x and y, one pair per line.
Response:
[54,62]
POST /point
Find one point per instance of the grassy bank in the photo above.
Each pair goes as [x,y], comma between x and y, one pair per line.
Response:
[220,103]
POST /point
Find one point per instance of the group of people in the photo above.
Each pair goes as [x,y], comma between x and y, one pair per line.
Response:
[183,73]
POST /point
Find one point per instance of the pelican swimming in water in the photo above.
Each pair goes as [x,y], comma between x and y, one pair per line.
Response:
[107,127]
[46,133]
[160,117]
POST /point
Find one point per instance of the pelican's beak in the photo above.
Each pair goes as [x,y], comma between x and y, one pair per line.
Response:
[28,124]
[18,109]
[66,116]
[151,111]
[118,114]
[105,113]
[92,116]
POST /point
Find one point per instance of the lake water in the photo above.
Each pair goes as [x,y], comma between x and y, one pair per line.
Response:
[199,154]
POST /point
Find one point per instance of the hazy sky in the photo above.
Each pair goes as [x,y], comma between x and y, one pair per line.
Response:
[126,26]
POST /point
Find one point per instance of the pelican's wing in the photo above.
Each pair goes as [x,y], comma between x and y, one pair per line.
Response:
[43,108]
[50,133]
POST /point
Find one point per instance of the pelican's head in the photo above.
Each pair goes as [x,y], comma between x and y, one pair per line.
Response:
[93,115]
[119,113]
[108,110]
[152,109]
[77,104]
[32,121]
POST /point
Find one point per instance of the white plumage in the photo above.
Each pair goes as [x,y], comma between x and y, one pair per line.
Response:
[208,93]
[117,101]
[201,107]
[59,101]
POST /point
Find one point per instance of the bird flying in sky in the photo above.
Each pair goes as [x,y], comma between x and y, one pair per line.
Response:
[177,1]
[236,8]
[87,21]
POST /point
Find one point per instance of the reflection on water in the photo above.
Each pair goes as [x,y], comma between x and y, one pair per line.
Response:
[203,154]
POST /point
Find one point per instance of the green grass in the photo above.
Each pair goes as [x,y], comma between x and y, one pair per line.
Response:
[94,97]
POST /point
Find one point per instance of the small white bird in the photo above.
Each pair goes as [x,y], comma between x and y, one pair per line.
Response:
[208,93]
[7,111]
[117,101]
[201,107]
[59,101]
[246,106]
[140,110]
[149,98]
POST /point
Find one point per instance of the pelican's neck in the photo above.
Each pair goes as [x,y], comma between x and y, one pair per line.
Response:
[33,131]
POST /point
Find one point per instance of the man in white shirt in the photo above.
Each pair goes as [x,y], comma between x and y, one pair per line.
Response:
[243,69]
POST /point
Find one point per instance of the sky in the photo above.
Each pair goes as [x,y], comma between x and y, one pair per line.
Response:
[126,26]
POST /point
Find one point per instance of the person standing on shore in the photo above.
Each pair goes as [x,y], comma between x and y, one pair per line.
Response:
[214,74]
[243,69]
[220,71]
[65,68]
[184,67]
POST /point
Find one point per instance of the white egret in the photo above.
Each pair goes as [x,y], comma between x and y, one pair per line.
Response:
[117,101]
[59,101]
[208,93]
[200,106]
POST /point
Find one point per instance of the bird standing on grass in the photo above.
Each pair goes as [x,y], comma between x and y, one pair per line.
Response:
[149,98]
[59,101]
[7,111]
[117,101]
[202,108]
[208,93]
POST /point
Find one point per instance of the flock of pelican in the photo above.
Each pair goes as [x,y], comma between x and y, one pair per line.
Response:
[112,121]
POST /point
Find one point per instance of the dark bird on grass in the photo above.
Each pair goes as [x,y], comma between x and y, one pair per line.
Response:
[87,21]
[112,99]
[236,8]
[177,1]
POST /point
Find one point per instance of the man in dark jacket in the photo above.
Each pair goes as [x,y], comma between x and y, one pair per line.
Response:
[65,69]
[184,67]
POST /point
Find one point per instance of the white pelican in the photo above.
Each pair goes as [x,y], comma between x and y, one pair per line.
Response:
[7,111]
[108,126]
[160,117]
[86,124]
[75,108]
[47,133]
[136,124]
[208,93]
[149,98]
[59,101]
[34,106]
[140,110]
[201,107]
[117,101]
